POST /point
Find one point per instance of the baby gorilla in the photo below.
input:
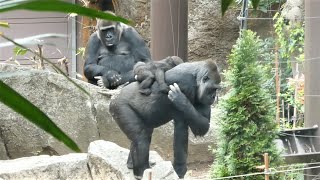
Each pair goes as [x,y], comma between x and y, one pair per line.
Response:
[147,73]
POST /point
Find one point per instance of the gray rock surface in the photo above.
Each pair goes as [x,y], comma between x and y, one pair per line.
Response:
[71,166]
[82,117]
[106,159]
[3,151]
[72,110]
[293,10]
[210,35]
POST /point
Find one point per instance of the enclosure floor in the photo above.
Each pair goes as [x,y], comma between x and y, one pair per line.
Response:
[198,172]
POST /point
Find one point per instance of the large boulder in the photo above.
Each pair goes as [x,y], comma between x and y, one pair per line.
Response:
[105,160]
[71,166]
[83,118]
[71,109]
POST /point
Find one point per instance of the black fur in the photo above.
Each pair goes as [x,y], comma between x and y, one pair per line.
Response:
[147,73]
[137,115]
[112,51]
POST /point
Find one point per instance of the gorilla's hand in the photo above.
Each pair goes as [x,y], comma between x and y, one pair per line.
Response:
[112,79]
[177,97]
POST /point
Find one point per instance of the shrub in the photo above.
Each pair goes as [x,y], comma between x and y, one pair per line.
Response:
[247,128]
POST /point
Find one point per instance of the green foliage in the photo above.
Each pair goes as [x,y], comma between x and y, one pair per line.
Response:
[57,6]
[290,37]
[4,24]
[225,5]
[264,5]
[290,40]
[19,51]
[247,128]
[261,5]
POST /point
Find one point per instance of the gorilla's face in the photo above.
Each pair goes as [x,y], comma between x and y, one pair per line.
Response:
[110,35]
[208,84]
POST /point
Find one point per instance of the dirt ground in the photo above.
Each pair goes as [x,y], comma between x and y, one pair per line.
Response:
[198,171]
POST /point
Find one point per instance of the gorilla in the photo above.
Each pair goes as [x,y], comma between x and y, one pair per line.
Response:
[193,89]
[147,73]
[111,53]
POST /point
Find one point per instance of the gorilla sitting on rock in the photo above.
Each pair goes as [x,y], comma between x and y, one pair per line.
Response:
[193,89]
[111,53]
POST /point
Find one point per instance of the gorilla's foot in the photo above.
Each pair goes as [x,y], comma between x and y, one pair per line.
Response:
[164,89]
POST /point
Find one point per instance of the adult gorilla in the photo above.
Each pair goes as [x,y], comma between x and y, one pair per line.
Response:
[193,89]
[111,53]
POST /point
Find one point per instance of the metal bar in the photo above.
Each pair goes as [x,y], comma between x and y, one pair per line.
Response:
[244,15]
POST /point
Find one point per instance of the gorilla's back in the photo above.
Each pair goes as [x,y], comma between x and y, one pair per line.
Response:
[153,109]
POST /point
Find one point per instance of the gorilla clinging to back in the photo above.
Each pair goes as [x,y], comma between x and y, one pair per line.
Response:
[147,73]
[193,89]
[112,51]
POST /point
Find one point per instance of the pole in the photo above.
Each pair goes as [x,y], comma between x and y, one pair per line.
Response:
[169,29]
[277,86]
[244,15]
[150,175]
[312,69]
[266,166]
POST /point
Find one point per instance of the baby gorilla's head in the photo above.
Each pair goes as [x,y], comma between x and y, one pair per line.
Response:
[173,61]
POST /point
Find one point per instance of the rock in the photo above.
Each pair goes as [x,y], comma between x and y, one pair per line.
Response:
[106,159]
[3,151]
[211,35]
[293,10]
[162,170]
[139,12]
[71,166]
[71,109]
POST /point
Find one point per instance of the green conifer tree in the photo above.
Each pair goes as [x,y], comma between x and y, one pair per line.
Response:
[247,128]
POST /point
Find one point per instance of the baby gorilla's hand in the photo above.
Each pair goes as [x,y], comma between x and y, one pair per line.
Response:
[100,81]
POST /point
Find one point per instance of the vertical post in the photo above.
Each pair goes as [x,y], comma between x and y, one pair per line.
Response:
[266,166]
[282,104]
[73,68]
[244,15]
[150,175]
[312,64]
[312,70]
[277,86]
[169,29]
[296,84]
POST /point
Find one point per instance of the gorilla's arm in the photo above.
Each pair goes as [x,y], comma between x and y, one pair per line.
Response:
[139,49]
[197,117]
[110,77]
[91,67]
